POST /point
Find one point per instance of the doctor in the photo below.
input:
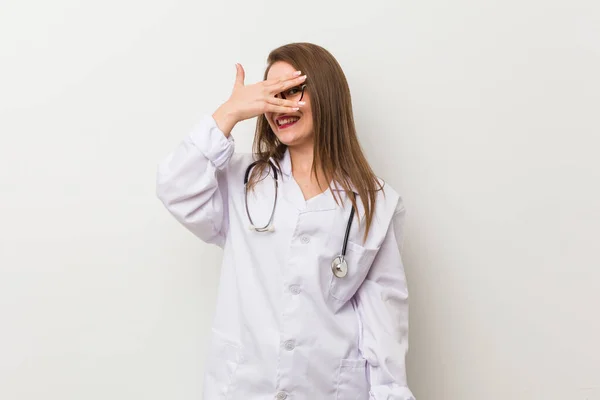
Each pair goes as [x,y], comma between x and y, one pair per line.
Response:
[313,301]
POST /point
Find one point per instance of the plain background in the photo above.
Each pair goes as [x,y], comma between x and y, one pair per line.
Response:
[484,115]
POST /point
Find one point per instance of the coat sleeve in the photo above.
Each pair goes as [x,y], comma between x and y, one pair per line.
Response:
[192,184]
[382,306]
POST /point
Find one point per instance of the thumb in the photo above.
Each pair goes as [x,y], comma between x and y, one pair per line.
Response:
[240,75]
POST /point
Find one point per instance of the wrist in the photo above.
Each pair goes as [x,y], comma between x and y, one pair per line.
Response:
[225,118]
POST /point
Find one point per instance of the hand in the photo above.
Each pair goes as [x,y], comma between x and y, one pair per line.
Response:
[248,101]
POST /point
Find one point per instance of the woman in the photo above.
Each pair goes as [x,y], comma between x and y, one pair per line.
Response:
[294,320]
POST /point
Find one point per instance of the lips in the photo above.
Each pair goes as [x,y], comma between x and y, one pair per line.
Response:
[285,121]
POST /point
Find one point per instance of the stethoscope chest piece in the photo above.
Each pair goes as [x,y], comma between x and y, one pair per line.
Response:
[339,267]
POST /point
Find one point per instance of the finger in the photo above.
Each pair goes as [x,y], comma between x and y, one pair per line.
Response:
[282,79]
[279,109]
[240,75]
[280,87]
[284,103]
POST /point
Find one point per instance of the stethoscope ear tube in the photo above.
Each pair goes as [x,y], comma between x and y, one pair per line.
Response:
[269,226]
[247,174]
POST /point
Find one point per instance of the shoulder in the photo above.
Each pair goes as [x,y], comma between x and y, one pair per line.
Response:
[389,206]
[389,201]
[239,163]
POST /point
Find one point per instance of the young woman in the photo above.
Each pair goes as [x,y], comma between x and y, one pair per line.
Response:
[312,301]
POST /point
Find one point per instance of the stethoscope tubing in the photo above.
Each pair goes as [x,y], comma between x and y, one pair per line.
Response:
[269,225]
[339,265]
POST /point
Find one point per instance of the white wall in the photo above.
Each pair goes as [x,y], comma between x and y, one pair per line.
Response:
[485,115]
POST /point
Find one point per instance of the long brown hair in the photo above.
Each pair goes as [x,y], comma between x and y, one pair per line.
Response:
[337,152]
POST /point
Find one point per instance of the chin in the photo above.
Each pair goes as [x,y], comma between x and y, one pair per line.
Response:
[291,138]
[293,135]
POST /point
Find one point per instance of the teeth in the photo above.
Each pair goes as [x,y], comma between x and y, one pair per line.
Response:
[287,121]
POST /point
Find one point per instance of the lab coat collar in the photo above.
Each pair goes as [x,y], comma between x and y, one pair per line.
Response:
[336,186]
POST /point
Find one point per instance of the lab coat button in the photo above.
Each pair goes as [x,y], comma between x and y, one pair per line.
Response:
[295,289]
[281,396]
[289,345]
[305,240]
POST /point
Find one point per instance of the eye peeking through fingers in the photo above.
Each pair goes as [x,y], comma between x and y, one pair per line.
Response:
[295,93]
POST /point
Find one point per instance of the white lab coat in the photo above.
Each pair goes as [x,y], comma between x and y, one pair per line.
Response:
[285,327]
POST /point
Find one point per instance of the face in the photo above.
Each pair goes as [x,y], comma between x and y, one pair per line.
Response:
[295,128]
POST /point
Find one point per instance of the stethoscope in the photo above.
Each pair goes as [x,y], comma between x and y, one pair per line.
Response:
[339,266]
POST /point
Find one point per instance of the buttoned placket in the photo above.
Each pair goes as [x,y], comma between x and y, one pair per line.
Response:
[290,364]
[290,323]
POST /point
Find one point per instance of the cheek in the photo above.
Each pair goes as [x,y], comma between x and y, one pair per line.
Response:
[269,118]
[307,119]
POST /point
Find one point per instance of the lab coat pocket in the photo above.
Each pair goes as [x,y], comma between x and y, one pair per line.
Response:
[359,260]
[224,359]
[352,381]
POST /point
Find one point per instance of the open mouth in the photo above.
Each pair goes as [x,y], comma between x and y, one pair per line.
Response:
[286,122]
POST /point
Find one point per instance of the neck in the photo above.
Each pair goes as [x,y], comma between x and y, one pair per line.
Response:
[302,159]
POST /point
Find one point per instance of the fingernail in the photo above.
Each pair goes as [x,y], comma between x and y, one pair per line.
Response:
[302,103]
[297,73]
[303,77]
[295,108]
